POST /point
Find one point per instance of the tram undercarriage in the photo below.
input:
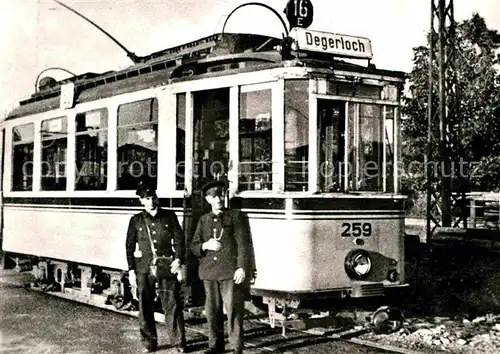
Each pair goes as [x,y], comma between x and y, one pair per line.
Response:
[340,308]
[83,282]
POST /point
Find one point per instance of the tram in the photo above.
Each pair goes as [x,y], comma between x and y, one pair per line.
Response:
[308,142]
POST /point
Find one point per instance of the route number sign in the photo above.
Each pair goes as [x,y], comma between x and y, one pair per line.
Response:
[299,13]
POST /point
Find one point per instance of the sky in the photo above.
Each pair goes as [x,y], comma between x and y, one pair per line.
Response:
[39,34]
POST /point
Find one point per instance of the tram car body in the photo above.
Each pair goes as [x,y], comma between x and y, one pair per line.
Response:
[309,146]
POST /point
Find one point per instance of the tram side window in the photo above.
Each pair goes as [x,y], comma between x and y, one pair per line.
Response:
[91,150]
[137,143]
[255,150]
[54,149]
[180,166]
[296,135]
[22,158]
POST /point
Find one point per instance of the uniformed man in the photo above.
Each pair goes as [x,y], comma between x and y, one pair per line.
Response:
[156,232]
[221,241]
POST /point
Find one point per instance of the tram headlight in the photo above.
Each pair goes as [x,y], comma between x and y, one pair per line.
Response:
[358,264]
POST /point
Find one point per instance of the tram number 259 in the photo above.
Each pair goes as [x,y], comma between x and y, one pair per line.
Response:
[356,229]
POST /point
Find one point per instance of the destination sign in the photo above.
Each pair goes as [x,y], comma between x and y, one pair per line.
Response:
[331,43]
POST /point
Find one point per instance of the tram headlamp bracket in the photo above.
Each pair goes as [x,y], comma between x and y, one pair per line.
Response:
[392,275]
[358,264]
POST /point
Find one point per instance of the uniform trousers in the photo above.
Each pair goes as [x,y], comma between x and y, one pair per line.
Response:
[169,293]
[230,295]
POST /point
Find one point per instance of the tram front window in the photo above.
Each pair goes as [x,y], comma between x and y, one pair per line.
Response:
[389,147]
[296,135]
[331,144]
[359,156]
[370,147]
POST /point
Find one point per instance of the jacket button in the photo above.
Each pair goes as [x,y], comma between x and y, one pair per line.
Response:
[153,224]
[154,232]
[140,229]
[215,258]
[154,241]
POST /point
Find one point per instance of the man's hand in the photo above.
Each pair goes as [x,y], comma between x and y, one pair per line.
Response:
[239,276]
[212,245]
[175,266]
[132,278]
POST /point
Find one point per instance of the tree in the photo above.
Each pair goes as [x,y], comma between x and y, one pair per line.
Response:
[478,83]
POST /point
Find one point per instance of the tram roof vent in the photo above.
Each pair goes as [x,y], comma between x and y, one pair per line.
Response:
[49,87]
[233,43]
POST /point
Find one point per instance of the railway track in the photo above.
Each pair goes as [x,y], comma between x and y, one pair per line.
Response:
[259,336]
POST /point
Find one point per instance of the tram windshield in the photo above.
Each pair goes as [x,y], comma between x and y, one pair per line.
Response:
[370,148]
[355,147]
[354,142]
[296,135]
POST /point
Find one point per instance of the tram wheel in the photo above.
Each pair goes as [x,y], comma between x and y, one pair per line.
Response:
[386,319]
[118,302]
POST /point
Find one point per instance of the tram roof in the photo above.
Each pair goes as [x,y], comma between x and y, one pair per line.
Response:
[195,58]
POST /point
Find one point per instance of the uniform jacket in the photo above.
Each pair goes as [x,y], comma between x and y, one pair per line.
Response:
[164,228]
[235,241]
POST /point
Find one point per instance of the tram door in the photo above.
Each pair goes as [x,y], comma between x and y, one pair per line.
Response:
[331,134]
[210,159]
[211,136]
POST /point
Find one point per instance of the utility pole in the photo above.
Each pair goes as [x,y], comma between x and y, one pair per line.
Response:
[443,164]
